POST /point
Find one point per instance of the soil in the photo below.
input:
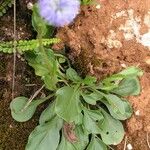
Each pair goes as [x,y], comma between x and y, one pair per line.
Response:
[14,135]
[104,38]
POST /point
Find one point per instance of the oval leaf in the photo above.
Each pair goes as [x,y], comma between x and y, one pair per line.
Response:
[72,75]
[89,80]
[47,114]
[67,104]
[131,71]
[112,131]
[96,144]
[91,98]
[45,137]
[91,120]
[80,144]
[17,109]
[127,87]
[117,107]
[117,115]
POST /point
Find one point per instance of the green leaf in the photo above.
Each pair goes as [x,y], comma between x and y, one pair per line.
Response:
[65,145]
[89,80]
[36,61]
[48,114]
[46,136]
[50,31]
[79,119]
[91,120]
[132,71]
[52,61]
[61,60]
[80,144]
[117,107]
[115,102]
[96,144]
[117,115]
[115,77]
[91,98]
[82,138]
[127,73]
[108,87]
[40,70]
[67,104]
[38,23]
[112,131]
[129,86]
[48,74]
[72,75]
[50,82]
[18,110]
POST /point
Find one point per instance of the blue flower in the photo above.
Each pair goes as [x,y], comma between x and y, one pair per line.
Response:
[59,12]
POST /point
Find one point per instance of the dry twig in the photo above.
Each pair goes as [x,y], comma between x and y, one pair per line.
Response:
[147,139]
[125,143]
[32,97]
[14,51]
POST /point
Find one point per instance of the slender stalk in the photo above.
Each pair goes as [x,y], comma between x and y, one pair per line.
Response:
[64,81]
[14,51]
[42,100]
[45,98]
[32,97]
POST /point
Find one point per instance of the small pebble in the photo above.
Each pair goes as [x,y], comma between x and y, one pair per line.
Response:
[98,6]
[30,6]
[123,66]
[10,126]
[147,61]
[129,147]
[137,113]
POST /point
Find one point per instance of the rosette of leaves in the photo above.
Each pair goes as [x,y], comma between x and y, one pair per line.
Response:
[83,114]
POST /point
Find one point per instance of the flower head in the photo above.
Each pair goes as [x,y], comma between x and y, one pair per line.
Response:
[59,12]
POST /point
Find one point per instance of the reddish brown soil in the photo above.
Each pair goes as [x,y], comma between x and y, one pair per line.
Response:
[87,43]
[91,51]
